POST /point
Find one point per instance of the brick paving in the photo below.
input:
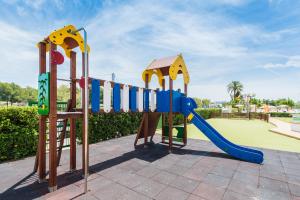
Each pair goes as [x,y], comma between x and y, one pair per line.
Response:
[198,171]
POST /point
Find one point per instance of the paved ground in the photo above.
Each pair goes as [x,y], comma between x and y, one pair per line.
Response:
[283,128]
[196,172]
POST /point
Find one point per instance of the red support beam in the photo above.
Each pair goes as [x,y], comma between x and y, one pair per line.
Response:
[42,121]
[52,123]
[146,124]
[73,106]
[185,120]
[171,115]
[163,115]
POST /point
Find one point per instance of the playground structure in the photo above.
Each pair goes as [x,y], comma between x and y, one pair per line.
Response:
[117,97]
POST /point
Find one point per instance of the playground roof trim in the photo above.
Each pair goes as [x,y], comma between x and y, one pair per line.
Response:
[168,66]
[162,62]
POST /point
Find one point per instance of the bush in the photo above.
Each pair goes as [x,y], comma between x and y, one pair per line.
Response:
[280,114]
[107,126]
[207,113]
[18,132]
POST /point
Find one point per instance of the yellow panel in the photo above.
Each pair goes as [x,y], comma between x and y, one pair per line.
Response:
[151,72]
[58,37]
[177,66]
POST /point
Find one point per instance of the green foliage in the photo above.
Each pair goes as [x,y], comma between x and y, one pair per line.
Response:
[18,132]
[289,102]
[107,126]
[202,103]
[280,114]
[11,92]
[209,112]
[235,89]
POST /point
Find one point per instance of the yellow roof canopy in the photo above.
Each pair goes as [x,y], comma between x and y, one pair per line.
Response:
[169,66]
[65,38]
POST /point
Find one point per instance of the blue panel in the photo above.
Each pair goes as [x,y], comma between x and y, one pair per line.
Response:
[146,100]
[117,97]
[95,96]
[132,99]
[163,101]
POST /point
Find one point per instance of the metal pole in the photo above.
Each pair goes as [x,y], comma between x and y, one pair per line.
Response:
[86,110]
[85,107]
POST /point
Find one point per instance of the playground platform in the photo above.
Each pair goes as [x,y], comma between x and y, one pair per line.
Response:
[283,128]
[199,171]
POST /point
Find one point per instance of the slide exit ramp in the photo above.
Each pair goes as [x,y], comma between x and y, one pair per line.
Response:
[187,108]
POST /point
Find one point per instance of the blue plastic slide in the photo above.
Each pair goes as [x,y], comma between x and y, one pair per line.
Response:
[187,108]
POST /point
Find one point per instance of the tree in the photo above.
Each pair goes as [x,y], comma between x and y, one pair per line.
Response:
[63,93]
[205,103]
[198,102]
[235,89]
[5,92]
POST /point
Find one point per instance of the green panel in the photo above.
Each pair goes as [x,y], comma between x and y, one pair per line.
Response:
[44,94]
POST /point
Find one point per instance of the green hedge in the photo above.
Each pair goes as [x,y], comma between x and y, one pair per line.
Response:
[18,132]
[207,113]
[107,126]
[280,114]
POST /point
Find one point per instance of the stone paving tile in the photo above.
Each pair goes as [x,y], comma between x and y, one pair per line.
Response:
[194,197]
[223,171]
[295,189]
[116,191]
[171,193]
[246,178]
[280,176]
[216,180]
[97,183]
[292,171]
[87,196]
[230,195]
[293,179]
[185,184]
[274,185]
[295,198]
[247,189]
[209,192]
[150,188]
[148,172]
[164,177]
[266,194]
[196,174]
[132,180]
[115,166]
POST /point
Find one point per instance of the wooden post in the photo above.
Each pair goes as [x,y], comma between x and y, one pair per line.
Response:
[73,105]
[83,126]
[171,115]
[52,123]
[185,120]
[42,121]
[146,125]
[163,116]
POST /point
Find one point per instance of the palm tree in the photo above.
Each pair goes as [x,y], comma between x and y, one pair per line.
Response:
[235,89]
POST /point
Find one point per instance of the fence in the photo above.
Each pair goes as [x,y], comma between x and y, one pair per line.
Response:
[61,106]
[261,116]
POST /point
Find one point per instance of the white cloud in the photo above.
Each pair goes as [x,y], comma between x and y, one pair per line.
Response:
[292,62]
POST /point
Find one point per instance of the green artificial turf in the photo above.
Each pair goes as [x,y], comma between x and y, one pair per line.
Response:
[249,133]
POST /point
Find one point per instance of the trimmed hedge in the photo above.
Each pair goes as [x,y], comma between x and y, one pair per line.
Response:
[280,114]
[207,113]
[18,132]
[107,126]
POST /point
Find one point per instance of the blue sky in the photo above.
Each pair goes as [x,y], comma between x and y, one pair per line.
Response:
[256,42]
